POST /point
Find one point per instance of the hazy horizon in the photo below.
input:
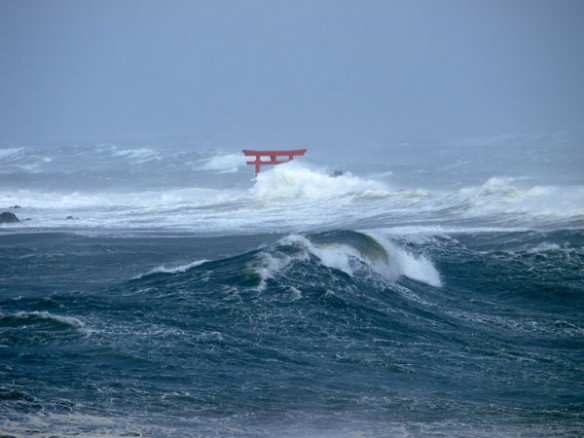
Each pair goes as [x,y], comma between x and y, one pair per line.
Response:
[328,75]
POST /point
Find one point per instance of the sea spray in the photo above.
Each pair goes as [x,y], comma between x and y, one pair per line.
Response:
[292,181]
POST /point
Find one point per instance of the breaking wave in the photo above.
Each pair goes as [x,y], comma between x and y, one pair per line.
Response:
[212,192]
[294,181]
[354,253]
[38,327]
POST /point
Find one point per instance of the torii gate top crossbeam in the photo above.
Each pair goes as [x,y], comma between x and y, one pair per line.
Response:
[285,157]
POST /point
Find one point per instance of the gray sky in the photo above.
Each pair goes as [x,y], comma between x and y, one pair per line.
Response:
[289,73]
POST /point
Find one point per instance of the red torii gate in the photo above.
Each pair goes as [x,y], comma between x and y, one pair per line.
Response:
[273,157]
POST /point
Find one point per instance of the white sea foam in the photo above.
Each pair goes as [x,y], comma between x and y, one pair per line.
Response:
[138,199]
[337,256]
[10,153]
[228,163]
[545,247]
[50,317]
[286,198]
[295,293]
[416,267]
[140,155]
[503,195]
[269,264]
[400,262]
[49,424]
[47,317]
[299,182]
[173,270]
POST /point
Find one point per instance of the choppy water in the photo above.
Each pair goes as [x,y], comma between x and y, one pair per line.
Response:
[301,306]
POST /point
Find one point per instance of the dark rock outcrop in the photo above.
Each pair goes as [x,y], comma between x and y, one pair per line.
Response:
[8,218]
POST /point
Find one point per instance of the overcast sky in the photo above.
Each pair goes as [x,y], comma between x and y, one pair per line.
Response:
[289,73]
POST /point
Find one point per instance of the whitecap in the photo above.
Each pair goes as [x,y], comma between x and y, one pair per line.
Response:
[172,270]
[293,181]
[223,163]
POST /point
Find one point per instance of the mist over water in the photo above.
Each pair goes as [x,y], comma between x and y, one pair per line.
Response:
[212,191]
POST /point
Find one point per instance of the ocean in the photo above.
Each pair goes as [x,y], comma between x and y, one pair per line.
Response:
[164,293]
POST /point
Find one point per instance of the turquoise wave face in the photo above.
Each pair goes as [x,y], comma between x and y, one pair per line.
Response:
[367,247]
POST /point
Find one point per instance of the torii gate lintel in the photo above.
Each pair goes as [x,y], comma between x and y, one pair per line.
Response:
[273,157]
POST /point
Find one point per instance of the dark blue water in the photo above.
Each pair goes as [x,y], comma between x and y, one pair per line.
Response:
[333,333]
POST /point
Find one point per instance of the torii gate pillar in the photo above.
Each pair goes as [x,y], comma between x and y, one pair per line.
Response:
[285,157]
